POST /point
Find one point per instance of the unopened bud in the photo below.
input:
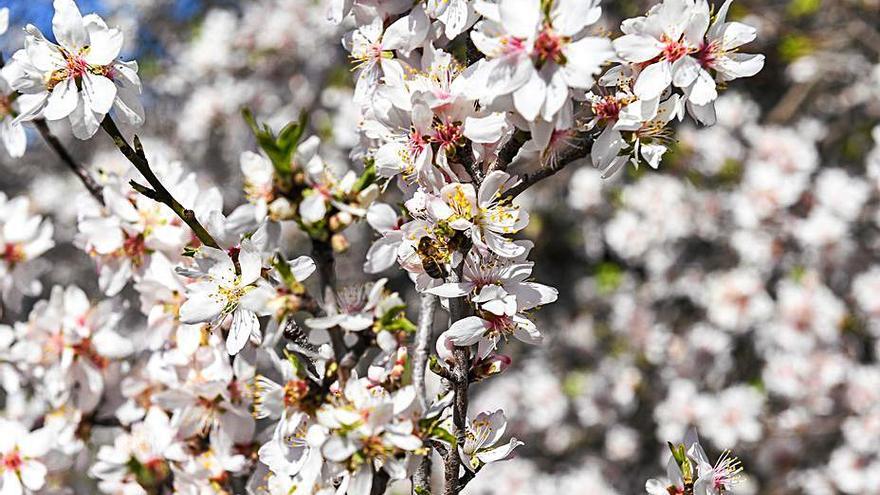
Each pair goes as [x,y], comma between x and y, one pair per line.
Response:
[339,243]
[493,365]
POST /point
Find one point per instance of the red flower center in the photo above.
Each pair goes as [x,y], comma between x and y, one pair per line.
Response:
[548,47]
[12,461]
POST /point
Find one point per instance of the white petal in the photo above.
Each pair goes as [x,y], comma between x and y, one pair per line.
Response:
[62,102]
[450,290]
[520,17]
[637,48]
[467,331]
[653,80]
[201,307]
[244,323]
[104,46]
[68,26]
[101,92]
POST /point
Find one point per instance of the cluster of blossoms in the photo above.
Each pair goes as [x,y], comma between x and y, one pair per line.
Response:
[252,370]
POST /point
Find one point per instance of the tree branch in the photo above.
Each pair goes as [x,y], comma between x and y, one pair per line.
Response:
[157,190]
[87,180]
[421,482]
[509,150]
[579,149]
[458,309]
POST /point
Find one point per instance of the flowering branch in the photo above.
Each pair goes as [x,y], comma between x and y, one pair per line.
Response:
[157,190]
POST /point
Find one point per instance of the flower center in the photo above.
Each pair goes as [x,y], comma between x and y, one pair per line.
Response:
[674,50]
[12,461]
[13,253]
[548,47]
[607,108]
[5,105]
[448,134]
[708,54]
[294,392]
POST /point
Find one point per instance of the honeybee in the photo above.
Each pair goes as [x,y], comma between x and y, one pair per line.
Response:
[432,254]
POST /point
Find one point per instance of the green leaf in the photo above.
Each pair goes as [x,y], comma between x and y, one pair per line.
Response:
[367,178]
[443,435]
[280,148]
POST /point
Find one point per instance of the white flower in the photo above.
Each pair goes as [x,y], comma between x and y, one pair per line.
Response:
[20,452]
[486,217]
[219,291]
[80,78]
[537,54]
[11,132]
[481,441]
[23,238]
[369,422]
[355,308]
[664,41]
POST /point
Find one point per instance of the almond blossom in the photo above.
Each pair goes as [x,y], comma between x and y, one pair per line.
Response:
[223,287]
[23,470]
[81,77]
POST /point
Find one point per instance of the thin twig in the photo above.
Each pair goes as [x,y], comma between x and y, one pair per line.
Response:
[580,149]
[458,309]
[423,342]
[87,180]
[157,190]
[322,253]
[509,150]
[421,483]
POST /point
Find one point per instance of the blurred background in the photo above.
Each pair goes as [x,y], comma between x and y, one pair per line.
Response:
[736,289]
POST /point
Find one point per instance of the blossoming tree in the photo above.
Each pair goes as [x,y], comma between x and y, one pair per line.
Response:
[257,371]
